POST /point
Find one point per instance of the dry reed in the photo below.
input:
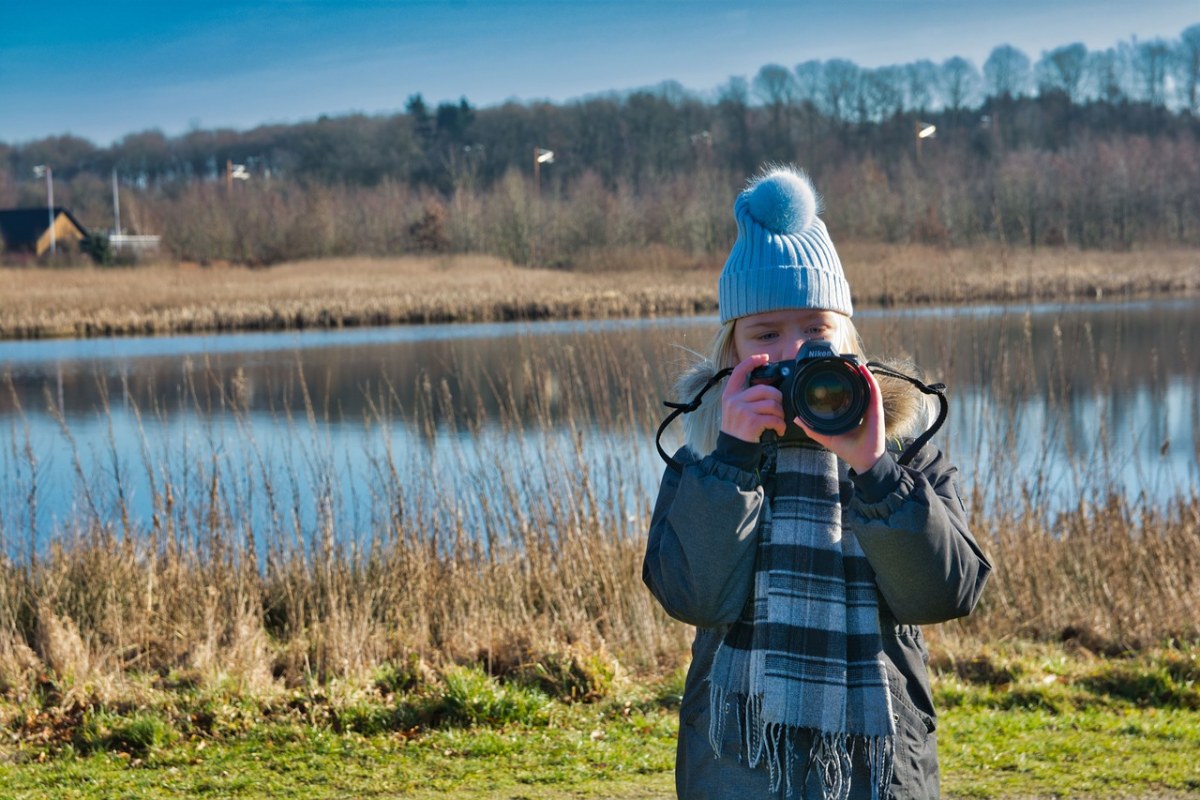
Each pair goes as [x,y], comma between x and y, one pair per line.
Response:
[651,281]
[501,556]
[1111,577]
[541,563]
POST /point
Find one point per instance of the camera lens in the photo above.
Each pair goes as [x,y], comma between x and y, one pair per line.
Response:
[830,396]
[827,395]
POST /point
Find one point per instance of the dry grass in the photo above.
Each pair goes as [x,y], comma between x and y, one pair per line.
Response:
[356,292]
[537,565]
[538,568]
[1110,577]
[327,294]
[509,563]
[915,274]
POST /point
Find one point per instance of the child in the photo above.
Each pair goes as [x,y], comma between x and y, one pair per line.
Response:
[806,562]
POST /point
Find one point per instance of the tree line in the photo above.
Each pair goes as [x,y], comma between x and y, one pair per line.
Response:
[1087,148]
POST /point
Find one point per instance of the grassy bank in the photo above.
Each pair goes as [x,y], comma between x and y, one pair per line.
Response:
[1019,721]
[486,629]
[37,303]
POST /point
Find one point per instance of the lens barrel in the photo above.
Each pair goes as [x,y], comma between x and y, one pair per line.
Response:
[829,394]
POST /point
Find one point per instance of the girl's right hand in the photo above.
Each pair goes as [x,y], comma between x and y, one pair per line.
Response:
[746,410]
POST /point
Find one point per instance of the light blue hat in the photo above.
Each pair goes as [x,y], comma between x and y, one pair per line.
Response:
[783,257]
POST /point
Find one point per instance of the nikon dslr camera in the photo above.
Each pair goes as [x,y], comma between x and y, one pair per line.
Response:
[824,389]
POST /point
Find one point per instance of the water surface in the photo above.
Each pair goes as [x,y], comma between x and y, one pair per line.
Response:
[337,430]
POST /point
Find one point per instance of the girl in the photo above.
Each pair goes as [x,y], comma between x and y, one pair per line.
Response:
[806,562]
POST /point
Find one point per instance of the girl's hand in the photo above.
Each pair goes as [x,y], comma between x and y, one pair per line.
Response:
[863,446]
[747,411]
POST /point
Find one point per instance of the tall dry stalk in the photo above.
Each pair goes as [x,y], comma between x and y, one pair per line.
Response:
[262,570]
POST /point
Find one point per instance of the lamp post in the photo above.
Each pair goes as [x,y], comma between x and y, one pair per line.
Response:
[44,170]
[540,156]
[922,131]
[116,204]
[234,172]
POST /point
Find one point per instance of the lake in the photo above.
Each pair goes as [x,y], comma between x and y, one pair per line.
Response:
[465,427]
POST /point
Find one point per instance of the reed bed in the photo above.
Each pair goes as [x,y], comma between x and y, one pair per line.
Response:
[495,560]
[1111,577]
[655,280]
[328,294]
[515,559]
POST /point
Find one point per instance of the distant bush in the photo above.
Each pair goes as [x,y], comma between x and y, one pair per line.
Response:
[98,248]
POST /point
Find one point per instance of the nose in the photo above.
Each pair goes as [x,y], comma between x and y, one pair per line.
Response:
[792,347]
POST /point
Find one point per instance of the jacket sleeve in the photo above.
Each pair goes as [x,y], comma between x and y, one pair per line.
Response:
[912,527]
[699,560]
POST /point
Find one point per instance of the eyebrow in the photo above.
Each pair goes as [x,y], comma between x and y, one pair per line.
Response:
[819,319]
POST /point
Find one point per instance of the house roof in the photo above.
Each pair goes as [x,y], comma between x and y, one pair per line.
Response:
[21,227]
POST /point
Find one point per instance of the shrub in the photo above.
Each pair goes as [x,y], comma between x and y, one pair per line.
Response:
[97,246]
[1155,687]
[403,678]
[139,735]
[572,677]
[470,697]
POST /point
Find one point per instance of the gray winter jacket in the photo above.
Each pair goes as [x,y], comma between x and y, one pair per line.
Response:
[699,564]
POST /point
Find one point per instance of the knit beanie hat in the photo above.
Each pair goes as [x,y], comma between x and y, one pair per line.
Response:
[783,257]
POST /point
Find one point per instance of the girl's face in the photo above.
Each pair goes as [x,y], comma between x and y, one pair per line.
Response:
[780,334]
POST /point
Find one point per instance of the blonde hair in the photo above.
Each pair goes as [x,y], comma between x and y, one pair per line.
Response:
[700,427]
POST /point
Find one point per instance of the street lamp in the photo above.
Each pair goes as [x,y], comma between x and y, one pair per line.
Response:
[923,130]
[44,170]
[540,156]
[234,172]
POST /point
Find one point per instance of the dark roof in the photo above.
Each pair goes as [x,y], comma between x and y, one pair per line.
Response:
[21,227]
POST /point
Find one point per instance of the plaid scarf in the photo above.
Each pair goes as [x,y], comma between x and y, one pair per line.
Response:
[807,653]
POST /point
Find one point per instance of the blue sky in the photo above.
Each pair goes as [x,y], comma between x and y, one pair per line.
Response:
[101,70]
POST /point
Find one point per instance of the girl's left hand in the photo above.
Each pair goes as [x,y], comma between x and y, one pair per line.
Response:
[865,445]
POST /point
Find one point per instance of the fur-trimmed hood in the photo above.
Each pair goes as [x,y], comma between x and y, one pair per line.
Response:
[907,412]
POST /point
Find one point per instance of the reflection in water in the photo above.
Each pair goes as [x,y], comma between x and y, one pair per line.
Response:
[347,430]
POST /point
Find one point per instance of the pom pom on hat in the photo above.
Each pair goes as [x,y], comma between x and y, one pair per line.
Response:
[783,257]
[782,201]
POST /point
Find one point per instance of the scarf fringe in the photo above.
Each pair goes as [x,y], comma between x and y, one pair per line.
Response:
[830,757]
[790,706]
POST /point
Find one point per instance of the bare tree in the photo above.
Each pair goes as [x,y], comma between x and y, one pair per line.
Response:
[1188,65]
[776,87]
[1106,70]
[840,85]
[960,82]
[1063,69]
[733,113]
[1150,66]
[883,92]
[922,84]
[1007,72]
[808,81]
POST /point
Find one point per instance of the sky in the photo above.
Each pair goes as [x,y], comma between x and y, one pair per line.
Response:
[101,70]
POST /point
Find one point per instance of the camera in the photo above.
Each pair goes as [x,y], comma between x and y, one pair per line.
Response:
[823,388]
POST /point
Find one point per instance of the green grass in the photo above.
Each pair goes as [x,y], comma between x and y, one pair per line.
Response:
[1028,721]
[1042,724]
[590,753]
[1090,753]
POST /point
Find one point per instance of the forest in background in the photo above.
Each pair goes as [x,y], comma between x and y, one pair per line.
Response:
[1091,149]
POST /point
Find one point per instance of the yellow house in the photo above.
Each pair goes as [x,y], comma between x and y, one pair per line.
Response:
[28,230]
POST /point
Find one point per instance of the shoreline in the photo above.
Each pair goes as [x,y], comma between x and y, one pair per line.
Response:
[87,302]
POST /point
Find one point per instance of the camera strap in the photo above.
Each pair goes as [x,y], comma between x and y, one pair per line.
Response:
[937,389]
[685,408]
